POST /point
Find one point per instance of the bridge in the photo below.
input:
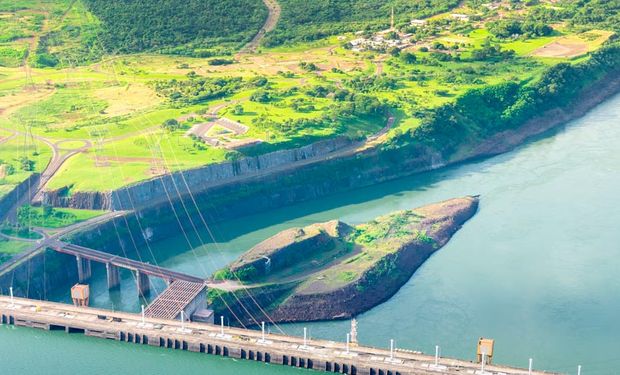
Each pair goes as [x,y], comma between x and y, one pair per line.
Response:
[142,271]
[238,343]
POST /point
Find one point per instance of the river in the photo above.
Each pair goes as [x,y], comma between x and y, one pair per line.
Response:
[536,269]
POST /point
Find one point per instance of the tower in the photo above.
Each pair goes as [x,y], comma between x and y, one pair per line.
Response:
[392,20]
[354,331]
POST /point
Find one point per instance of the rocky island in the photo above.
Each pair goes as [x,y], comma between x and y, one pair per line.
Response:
[334,270]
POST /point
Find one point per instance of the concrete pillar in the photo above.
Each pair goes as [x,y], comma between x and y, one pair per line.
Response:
[84,270]
[144,286]
[114,280]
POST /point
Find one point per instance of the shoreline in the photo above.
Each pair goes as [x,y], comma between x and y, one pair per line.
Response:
[375,272]
[309,182]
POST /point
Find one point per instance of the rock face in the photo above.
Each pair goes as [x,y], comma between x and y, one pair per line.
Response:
[25,188]
[289,247]
[156,190]
[382,255]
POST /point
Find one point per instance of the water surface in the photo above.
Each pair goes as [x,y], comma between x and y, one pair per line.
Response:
[536,268]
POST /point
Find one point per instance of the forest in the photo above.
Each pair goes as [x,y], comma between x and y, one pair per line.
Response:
[170,26]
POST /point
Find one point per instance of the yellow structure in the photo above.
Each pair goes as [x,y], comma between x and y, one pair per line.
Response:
[80,294]
[485,350]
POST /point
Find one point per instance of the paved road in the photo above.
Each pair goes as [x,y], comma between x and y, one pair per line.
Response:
[39,245]
[59,157]
[130,264]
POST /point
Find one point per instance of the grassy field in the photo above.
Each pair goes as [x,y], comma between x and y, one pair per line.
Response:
[19,158]
[286,96]
[53,217]
[9,248]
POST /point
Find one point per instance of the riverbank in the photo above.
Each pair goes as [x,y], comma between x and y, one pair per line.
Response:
[250,185]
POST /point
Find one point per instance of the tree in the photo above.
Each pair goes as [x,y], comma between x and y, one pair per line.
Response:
[170,125]
[9,169]
[309,67]
[26,164]
[261,96]
[237,110]
[408,57]
[47,210]
[395,51]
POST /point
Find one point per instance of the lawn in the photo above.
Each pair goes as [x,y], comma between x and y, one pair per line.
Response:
[19,158]
[47,217]
[9,248]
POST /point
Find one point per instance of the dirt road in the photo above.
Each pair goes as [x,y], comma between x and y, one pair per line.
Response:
[270,24]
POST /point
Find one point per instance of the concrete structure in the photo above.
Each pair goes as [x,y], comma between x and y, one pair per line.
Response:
[320,355]
[142,271]
[179,296]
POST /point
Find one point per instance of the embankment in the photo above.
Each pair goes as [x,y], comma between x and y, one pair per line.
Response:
[286,177]
[158,189]
[38,276]
[24,189]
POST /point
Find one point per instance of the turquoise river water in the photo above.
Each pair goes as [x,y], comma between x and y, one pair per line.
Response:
[537,268]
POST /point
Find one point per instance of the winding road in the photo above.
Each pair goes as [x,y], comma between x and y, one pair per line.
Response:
[270,24]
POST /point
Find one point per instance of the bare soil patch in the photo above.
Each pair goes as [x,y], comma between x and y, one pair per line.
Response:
[124,100]
[562,49]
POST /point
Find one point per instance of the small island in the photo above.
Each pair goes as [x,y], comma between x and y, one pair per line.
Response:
[334,270]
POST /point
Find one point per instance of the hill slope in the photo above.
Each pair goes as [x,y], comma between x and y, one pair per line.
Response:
[311,20]
[134,26]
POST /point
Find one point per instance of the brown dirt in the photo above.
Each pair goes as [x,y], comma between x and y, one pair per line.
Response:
[562,49]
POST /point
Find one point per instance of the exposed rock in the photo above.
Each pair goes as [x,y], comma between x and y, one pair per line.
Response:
[156,190]
[382,256]
[290,246]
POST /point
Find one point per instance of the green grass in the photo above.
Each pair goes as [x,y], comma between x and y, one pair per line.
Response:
[55,218]
[20,233]
[78,101]
[10,248]
[11,154]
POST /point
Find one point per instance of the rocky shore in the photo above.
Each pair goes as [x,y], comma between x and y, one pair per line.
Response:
[333,270]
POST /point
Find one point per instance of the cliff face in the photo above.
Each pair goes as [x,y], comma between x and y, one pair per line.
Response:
[41,275]
[156,190]
[20,192]
[289,247]
[388,252]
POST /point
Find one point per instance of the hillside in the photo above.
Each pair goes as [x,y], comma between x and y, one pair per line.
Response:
[190,27]
[304,21]
[448,78]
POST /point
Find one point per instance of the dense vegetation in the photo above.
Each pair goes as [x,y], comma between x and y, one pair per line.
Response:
[187,27]
[485,111]
[50,217]
[311,20]
[196,89]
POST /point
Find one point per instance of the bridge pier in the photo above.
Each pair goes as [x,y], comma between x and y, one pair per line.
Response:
[112,271]
[84,270]
[144,286]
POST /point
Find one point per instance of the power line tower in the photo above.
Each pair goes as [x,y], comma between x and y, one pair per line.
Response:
[392,21]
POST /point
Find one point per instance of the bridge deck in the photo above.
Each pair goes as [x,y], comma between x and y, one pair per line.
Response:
[176,297]
[134,265]
[238,343]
